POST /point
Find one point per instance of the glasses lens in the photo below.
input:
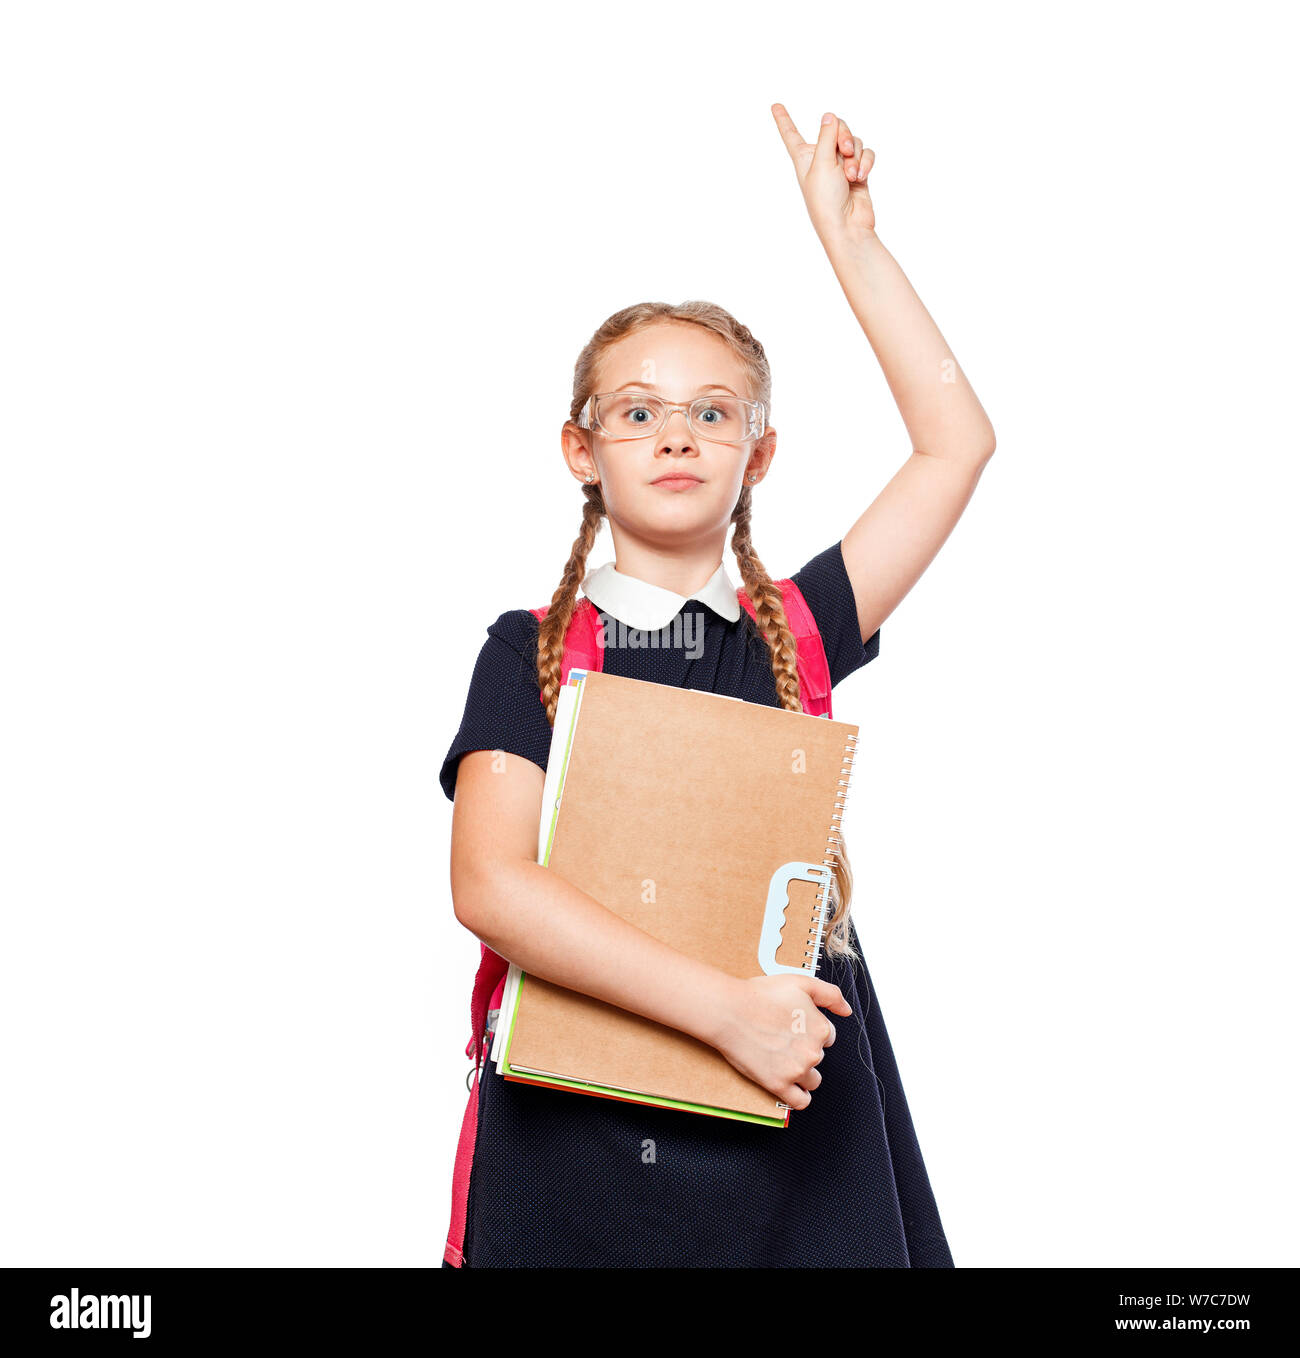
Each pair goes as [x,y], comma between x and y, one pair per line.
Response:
[628,414]
[725,419]
[633,415]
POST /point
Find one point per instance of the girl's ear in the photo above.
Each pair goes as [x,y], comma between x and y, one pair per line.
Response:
[575,445]
[761,458]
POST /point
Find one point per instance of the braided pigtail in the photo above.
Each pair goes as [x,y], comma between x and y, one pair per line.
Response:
[769,611]
[769,607]
[552,629]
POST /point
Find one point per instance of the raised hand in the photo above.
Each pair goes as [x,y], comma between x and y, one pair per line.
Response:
[832,173]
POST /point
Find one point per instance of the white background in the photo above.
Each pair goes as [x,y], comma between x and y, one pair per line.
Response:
[291,300]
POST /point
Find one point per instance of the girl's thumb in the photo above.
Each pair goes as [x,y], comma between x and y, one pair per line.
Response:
[827,996]
[827,139]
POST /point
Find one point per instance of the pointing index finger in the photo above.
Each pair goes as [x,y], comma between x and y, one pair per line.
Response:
[789,132]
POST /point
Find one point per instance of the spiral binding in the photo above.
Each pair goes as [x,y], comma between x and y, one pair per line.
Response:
[822,906]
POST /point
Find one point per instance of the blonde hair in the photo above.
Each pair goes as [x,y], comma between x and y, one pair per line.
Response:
[763,592]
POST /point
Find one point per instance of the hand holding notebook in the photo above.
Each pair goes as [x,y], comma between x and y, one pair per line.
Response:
[705,821]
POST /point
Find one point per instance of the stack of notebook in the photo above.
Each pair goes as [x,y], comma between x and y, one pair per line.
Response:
[709,823]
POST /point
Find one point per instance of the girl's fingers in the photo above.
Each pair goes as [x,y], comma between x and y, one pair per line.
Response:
[833,140]
[857,161]
[861,167]
[856,169]
[789,132]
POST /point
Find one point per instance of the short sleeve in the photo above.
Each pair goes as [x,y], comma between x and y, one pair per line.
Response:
[503,709]
[825,585]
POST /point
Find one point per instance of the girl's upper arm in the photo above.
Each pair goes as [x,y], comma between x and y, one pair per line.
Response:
[495,767]
[899,534]
[495,818]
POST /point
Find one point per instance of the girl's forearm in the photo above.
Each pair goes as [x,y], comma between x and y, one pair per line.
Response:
[535,918]
[939,407]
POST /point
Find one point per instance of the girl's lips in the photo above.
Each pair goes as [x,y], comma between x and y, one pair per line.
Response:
[677,482]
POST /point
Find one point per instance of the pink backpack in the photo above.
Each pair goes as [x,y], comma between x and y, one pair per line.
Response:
[584,649]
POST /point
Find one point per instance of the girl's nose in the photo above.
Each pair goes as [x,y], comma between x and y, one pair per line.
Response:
[677,431]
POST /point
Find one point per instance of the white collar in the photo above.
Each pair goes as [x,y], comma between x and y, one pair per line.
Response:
[649,607]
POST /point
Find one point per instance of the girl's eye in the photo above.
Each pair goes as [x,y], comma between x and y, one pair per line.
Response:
[630,412]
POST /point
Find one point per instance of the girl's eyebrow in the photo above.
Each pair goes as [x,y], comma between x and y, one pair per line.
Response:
[650,386]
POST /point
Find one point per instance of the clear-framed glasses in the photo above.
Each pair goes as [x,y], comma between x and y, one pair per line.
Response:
[638,415]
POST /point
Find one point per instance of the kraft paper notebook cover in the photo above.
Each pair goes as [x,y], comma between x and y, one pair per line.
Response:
[707,822]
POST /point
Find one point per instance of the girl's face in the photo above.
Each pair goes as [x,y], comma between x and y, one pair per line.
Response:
[678,362]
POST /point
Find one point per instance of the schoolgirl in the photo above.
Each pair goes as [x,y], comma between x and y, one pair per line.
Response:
[670,440]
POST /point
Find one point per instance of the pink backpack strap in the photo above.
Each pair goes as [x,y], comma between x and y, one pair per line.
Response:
[584,642]
[813,668]
[489,985]
[583,649]
[454,1250]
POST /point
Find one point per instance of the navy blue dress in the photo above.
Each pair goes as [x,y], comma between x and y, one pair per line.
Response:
[562,1179]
